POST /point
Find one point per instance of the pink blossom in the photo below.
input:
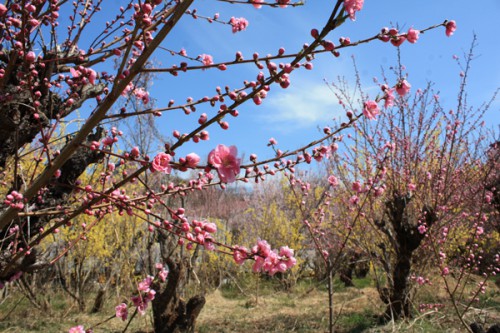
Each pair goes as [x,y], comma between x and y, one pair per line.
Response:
[320,152]
[30,56]
[356,187]
[353,6]
[379,191]
[240,254]
[145,284]
[74,72]
[210,227]
[140,303]
[135,152]
[77,329]
[127,89]
[121,311]
[257,266]
[371,109]
[262,248]
[150,295]
[487,198]
[451,26]
[290,262]
[257,3]
[206,59]
[107,141]
[389,98]
[142,95]
[412,35]
[398,40]
[333,181]
[162,274]
[412,187]
[161,163]
[34,23]
[84,72]
[192,160]
[420,280]
[225,161]
[270,261]
[238,24]
[285,251]
[403,87]
[92,75]
[3,9]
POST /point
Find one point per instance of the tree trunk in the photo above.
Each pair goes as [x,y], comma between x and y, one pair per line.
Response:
[399,302]
[171,314]
[405,239]
[99,299]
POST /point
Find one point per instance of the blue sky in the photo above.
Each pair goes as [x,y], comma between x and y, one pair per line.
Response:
[293,115]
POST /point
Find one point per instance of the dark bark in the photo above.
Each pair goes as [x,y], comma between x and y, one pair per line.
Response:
[171,314]
[494,329]
[351,266]
[57,193]
[478,328]
[99,300]
[18,128]
[405,239]
[18,125]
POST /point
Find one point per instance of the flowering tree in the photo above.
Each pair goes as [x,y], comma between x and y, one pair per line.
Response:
[420,178]
[48,72]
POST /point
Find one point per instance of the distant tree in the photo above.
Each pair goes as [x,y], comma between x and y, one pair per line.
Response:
[417,175]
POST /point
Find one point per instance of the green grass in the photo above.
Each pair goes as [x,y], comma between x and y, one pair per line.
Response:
[357,322]
[363,282]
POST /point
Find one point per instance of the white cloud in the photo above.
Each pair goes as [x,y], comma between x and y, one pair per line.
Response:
[304,104]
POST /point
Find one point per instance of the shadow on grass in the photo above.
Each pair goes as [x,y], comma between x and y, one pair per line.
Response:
[356,322]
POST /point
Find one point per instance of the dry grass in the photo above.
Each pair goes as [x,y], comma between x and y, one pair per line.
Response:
[282,312]
[227,310]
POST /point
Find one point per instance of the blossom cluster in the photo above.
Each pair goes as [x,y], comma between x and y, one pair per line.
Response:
[266,260]
[224,159]
[144,13]
[146,295]
[199,232]
[402,88]
[15,200]
[238,24]
[412,35]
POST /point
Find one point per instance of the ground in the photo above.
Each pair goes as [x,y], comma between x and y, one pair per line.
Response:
[258,308]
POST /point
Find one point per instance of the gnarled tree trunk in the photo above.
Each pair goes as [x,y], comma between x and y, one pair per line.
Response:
[171,314]
[405,238]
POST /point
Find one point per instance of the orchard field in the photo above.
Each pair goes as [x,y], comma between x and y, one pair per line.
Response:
[249,166]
